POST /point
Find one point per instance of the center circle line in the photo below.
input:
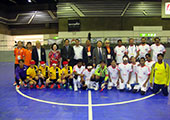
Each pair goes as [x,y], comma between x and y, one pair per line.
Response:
[85,105]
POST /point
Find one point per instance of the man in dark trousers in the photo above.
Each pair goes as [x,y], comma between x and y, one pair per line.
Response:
[38,53]
[109,52]
[160,75]
[89,50]
[67,52]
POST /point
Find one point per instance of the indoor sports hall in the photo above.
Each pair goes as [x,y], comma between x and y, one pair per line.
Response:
[53,22]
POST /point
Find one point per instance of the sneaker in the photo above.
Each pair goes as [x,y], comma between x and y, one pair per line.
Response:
[25,85]
[96,88]
[58,86]
[17,87]
[14,84]
[46,85]
[75,89]
[109,88]
[31,86]
[70,87]
[52,86]
[37,86]
[101,90]
[42,86]
[103,86]
[64,86]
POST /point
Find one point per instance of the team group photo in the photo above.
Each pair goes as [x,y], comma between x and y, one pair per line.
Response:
[136,68]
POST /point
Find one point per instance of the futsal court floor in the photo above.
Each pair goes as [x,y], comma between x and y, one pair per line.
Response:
[54,104]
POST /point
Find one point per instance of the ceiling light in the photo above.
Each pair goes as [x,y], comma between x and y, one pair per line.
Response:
[29,1]
[13,1]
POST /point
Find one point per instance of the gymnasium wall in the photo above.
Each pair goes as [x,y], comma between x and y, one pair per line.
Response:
[29,29]
[157,31]
[115,23]
[4,29]
[6,42]
[23,31]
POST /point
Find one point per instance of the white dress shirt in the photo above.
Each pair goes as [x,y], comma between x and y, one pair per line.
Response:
[99,49]
[39,54]
[78,52]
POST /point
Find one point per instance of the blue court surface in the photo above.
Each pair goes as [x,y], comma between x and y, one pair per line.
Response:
[54,104]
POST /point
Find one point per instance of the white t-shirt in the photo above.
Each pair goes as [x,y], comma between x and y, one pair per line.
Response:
[142,73]
[87,74]
[156,50]
[78,70]
[78,52]
[120,51]
[39,54]
[113,73]
[132,51]
[125,69]
[133,75]
[149,64]
[143,50]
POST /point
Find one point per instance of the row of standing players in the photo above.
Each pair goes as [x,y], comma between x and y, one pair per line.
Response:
[88,54]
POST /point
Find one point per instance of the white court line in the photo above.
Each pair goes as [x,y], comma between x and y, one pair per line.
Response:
[49,102]
[124,102]
[84,105]
[90,112]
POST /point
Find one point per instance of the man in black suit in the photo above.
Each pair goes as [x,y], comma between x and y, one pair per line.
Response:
[38,53]
[89,50]
[109,52]
[99,54]
[67,52]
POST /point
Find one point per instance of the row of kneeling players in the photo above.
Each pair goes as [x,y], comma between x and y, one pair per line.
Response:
[133,76]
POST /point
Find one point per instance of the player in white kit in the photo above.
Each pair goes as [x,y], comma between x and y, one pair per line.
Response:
[77,72]
[120,51]
[157,48]
[132,49]
[113,72]
[149,62]
[132,81]
[143,74]
[124,73]
[143,48]
[89,76]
